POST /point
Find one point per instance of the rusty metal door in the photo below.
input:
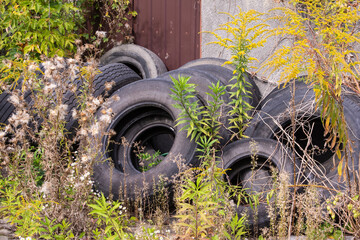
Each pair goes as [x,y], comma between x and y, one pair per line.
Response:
[170,28]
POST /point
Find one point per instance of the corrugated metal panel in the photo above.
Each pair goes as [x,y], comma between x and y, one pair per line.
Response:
[170,28]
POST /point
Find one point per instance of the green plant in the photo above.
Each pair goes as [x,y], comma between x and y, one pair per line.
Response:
[237,228]
[112,215]
[148,161]
[248,31]
[51,230]
[322,45]
[38,27]
[197,210]
[203,200]
[37,172]
[16,70]
[203,123]
[198,120]
[150,233]
[25,213]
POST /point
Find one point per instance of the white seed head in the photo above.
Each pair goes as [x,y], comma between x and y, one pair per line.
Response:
[84,159]
[2,134]
[94,129]
[14,99]
[96,101]
[83,132]
[100,34]
[19,117]
[109,85]
[49,88]
[105,119]
[74,114]
[32,67]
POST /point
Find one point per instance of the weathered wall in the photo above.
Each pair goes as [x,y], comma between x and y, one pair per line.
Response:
[211,19]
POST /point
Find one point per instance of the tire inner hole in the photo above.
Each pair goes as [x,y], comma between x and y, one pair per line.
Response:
[309,137]
[155,137]
[253,175]
[150,147]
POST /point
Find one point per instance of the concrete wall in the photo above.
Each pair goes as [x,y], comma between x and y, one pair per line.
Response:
[211,18]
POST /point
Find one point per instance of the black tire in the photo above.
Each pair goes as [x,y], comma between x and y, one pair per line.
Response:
[143,61]
[119,73]
[276,115]
[7,108]
[209,61]
[225,75]
[219,73]
[237,158]
[201,78]
[150,96]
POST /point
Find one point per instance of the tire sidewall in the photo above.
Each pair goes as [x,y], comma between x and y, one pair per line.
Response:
[141,94]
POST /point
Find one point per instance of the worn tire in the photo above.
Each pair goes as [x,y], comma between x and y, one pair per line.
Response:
[147,96]
[225,75]
[238,156]
[119,73]
[209,61]
[7,108]
[143,61]
[276,115]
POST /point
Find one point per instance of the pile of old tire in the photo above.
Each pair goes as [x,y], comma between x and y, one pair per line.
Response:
[318,160]
[121,65]
[145,113]
[312,161]
[117,73]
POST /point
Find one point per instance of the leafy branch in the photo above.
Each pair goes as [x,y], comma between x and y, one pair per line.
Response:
[248,31]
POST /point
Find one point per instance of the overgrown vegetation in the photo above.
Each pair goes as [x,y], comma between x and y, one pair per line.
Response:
[323,34]
[38,27]
[248,31]
[204,206]
[46,186]
[50,28]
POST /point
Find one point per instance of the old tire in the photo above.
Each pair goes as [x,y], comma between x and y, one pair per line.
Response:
[7,108]
[238,157]
[118,73]
[225,75]
[209,61]
[150,96]
[143,61]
